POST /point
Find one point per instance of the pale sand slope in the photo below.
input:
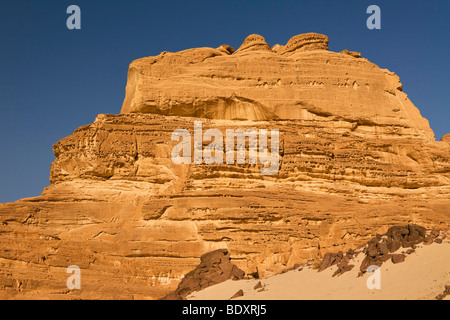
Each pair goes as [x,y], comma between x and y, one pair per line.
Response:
[423,275]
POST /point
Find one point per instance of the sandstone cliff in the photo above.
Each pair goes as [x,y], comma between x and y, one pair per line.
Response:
[301,81]
[356,158]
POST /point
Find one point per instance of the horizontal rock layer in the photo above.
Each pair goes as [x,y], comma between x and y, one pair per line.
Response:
[356,157]
[256,83]
[122,211]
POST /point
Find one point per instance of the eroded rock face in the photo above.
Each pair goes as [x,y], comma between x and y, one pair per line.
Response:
[215,267]
[446,138]
[299,81]
[356,157]
[254,42]
[306,42]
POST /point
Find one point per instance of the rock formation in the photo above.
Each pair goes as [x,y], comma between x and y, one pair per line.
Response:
[382,248]
[402,274]
[356,157]
[215,267]
[302,81]
[446,138]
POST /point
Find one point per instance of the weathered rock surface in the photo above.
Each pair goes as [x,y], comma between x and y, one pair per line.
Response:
[423,275]
[302,80]
[383,247]
[444,294]
[446,138]
[356,157]
[238,294]
[215,267]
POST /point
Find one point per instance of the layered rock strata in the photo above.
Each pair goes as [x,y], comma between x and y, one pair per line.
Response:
[356,157]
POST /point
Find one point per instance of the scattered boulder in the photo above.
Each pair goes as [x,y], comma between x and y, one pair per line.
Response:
[258,286]
[238,294]
[215,267]
[383,248]
[444,294]
[339,259]
[380,248]
[397,258]
[343,268]
[330,259]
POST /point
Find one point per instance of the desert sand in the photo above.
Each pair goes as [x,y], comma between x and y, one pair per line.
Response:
[423,275]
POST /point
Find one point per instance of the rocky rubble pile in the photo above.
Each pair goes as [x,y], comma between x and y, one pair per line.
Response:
[382,248]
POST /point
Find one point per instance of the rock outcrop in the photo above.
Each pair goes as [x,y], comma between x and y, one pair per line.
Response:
[254,42]
[356,157]
[306,42]
[446,138]
[410,274]
[215,267]
[301,81]
[382,248]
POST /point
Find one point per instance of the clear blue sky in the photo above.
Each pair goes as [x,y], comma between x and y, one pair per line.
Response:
[54,80]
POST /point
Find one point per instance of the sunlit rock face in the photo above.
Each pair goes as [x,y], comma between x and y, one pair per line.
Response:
[356,157]
[299,81]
